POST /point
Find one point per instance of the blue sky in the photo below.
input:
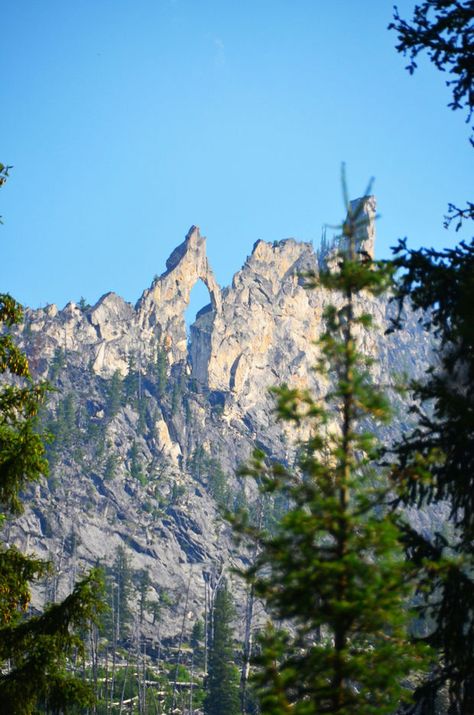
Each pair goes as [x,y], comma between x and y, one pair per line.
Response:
[127,121]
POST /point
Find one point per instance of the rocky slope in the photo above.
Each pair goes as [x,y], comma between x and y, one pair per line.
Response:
[151,425]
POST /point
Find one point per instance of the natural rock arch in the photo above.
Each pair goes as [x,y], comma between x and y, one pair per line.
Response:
[162,308]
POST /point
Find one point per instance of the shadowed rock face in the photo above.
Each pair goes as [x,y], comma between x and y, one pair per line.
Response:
[258,332]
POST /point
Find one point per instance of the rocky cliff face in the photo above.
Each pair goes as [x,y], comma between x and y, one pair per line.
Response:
[152,425]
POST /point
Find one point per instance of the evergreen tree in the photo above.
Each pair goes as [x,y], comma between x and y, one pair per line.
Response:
[332,569]
[207,469]
[222,686]
[57,364]
[136,466]
[197,644]
[33,650]
[218,484]
[110,467]
[444,29]
[121,577]
[131,381]
[114,394]
[435,464]
[143,587]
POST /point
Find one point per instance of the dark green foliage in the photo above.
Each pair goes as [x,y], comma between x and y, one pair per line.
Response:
[208,470]
[273,508]
[143,587]
[197,644]
[57,364]
[436,462]
[33,651]
[38,648]
[63,428]
[110,467]
[115,394]
[83,304]
[218,484]
[22,452]
[222,686]
[16,573]
[442,284]
[75,435]
[117,619]
[177,393]
[131,382]
[94,438]
[444,29]
[177,491]
[333,567]
[71,543]
[155,610]
[122,579]
[187,409]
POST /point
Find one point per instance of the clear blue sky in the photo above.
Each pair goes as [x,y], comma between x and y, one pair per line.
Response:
[129,120]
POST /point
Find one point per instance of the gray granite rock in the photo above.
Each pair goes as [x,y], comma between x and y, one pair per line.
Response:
[258,332]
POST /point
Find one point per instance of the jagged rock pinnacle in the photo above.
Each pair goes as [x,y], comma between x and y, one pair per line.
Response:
[162,307]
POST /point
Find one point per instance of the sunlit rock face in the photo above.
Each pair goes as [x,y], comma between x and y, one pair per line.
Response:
[161,309]
[184,397]
[258,331]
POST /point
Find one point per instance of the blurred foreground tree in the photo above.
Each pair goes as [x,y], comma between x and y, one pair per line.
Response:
[436,462]
[444,29]
[34,649]
[333,568]
[436,466]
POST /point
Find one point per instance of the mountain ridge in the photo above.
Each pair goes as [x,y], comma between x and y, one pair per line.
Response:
[187,412]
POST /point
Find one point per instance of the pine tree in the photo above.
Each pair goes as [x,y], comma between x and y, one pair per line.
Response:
[121,578]
[222,686]
[143,587]
[115,395]
[33,650]
[444,29]
[131,382]
[57,364]
[110,467]
[197,644]
[332,573]
[436,462]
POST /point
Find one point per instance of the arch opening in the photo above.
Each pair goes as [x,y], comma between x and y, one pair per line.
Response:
[199,298]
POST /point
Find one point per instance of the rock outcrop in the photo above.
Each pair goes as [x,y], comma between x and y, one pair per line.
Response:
[161,308]
[144,466]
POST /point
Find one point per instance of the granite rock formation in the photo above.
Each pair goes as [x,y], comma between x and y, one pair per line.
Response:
[189,412]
